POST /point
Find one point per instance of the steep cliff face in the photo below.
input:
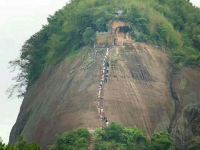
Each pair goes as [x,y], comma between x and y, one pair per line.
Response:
[64,97]
[137,94]
[186,125]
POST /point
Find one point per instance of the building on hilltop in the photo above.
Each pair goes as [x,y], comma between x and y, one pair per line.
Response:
[118,34]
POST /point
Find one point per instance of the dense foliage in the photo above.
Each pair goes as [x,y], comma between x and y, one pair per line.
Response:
[21,145]
[119,138]
[75,140]
[173,24]
[161,141]
[115,137]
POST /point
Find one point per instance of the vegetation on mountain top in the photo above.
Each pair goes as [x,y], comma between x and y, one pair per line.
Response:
[172,24]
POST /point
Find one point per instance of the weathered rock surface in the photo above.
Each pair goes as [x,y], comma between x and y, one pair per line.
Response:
[138,93]
[186,124]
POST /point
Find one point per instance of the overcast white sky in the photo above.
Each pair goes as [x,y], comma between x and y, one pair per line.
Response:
[196,2]
[19,19]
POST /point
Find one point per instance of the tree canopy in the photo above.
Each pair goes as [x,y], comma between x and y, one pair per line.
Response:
[173,24]
[115,137]
[20,145]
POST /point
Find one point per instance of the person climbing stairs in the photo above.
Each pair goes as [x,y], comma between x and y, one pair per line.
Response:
[103,81]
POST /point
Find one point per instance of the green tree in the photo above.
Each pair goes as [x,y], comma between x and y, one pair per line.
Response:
[89,36]
[173,24]
[101,24]
[21,145]
[118,137]
[2,145]
[78,139]
[24,145]
[161,141]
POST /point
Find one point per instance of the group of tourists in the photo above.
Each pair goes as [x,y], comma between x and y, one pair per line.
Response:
[104,80]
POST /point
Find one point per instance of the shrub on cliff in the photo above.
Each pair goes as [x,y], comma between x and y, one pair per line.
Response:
[115,137]
[89,36]
[74,140]
[120,138]
[161,141]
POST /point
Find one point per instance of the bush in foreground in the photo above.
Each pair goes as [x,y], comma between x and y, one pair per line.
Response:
[74,140]
[21,145]
[115,137]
